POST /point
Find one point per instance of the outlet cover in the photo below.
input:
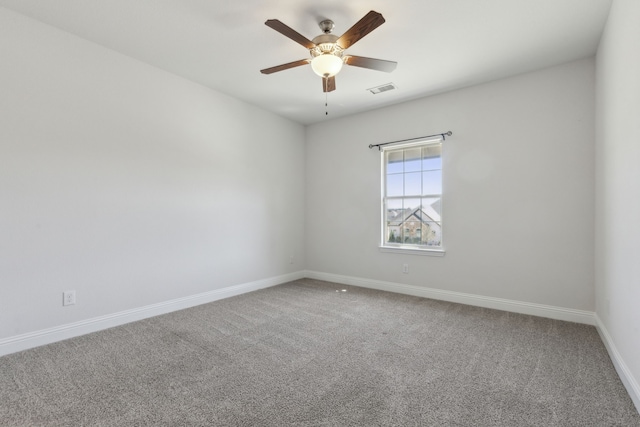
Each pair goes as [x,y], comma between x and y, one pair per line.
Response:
[68,297]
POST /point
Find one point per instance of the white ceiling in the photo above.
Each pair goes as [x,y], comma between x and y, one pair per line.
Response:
[439,45]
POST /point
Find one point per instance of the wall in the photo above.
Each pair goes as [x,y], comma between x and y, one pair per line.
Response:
[617,190]
[130,185]
[518,190]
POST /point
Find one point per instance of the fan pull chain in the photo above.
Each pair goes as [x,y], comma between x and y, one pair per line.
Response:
[325,84]
[326,104]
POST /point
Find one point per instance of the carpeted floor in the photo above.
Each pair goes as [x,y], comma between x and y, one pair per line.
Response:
[308,353]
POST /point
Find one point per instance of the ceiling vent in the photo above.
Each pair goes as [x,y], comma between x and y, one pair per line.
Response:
[383,88]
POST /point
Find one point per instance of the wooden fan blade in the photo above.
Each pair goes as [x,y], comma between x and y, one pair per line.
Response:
[374,64]
[329,84]
[289,32]
[370,22]
[285,66]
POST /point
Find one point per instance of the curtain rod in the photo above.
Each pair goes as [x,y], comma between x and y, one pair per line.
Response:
[443,135]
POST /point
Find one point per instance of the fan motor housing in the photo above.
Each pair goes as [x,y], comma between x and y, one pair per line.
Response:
[326,44]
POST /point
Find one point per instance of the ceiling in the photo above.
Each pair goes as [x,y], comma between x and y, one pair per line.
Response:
[440,45]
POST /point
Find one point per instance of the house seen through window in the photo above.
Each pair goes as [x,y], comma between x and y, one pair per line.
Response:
[412,196]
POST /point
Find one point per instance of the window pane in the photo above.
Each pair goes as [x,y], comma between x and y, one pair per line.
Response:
[394,162]
[395,185]
[431,234]
[432,182]
[412,184]
[431,163]
[411,221]
[431,210]
[411,204]
[431,157]
[394,216]
[395,204]
[393,235]
[412,159]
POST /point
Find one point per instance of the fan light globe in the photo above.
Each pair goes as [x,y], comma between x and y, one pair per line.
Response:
[326,65]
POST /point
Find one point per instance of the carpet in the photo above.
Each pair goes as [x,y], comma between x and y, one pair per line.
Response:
[313,353]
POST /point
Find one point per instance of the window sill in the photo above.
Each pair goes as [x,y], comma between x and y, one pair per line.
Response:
[408,250]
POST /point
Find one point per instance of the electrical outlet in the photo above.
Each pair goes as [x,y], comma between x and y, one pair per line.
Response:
[68,297]
[405,268]
[290,259]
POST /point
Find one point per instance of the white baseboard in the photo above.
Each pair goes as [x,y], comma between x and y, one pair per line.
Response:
[630,383]
[548,311]
[59,333]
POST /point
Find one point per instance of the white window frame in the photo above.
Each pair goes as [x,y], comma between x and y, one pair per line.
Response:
[405,248]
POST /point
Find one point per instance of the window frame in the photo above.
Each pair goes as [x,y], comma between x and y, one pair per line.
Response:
[401,247]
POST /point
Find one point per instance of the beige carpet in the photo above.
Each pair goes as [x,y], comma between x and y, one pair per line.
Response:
[308,354]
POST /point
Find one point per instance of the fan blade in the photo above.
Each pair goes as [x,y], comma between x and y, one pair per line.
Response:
[329,84]
[289,32]
[370,22]
[374,64]
[285,66]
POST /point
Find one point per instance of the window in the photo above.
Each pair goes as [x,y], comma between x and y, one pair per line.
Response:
[412,196]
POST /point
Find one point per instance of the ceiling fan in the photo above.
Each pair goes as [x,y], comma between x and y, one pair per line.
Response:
[328,51]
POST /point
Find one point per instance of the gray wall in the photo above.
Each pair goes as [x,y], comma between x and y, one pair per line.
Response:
[618,187]
[130,185]
[518,190]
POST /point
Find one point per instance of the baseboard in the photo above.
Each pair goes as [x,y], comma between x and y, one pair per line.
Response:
[630,383]
[59,333]
[551,312]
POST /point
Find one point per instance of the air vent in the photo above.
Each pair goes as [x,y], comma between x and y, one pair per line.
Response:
[383,88]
